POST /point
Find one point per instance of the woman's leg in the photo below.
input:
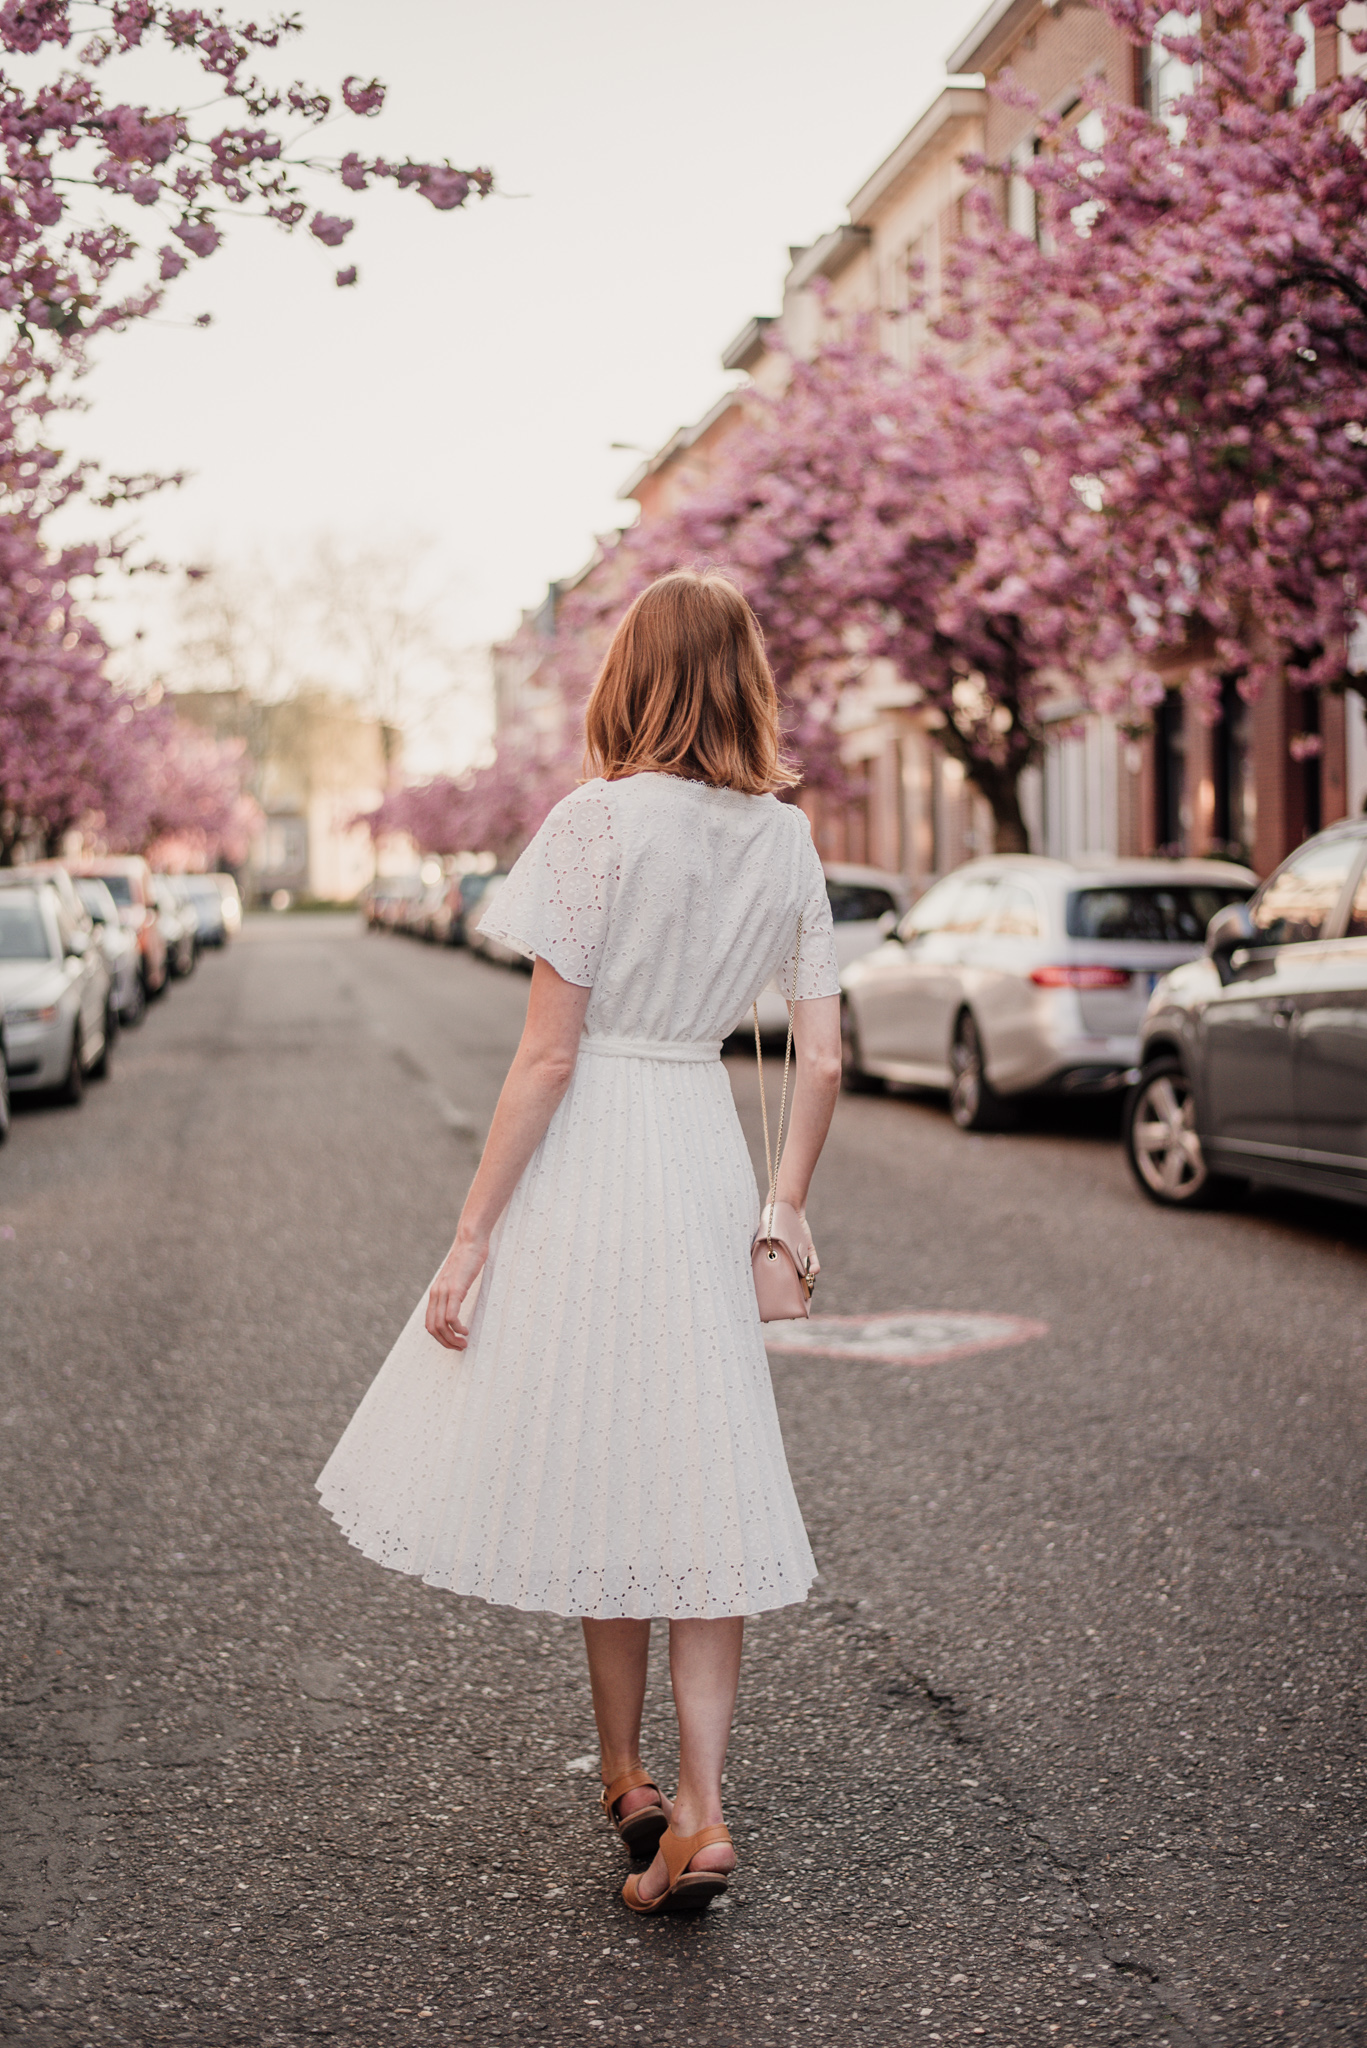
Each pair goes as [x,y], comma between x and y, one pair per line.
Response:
[704,1664]
[618,1655]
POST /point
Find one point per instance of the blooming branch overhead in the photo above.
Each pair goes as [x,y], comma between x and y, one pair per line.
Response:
[81,168]
[103,203]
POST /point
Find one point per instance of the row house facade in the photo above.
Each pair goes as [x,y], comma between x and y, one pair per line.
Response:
[1232,788]
[1183,786]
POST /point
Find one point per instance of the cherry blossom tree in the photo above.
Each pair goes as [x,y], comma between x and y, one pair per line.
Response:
[852,509]
[103,203]
[1190,336]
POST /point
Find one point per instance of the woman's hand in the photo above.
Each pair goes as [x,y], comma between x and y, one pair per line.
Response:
[460,1269]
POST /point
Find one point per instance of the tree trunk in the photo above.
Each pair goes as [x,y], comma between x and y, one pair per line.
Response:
[999,785]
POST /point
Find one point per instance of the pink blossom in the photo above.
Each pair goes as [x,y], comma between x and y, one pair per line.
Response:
[363,98]
[329,229]
[199,236]
[445,188]
[172,263]
[25,25]
[347,276]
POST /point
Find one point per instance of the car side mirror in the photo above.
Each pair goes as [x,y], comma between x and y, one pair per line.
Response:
[1228,931]
[887,925]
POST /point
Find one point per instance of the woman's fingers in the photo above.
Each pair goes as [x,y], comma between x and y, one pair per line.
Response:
[443,1318]
[446,1297]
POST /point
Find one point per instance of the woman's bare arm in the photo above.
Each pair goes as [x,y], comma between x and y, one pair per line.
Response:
[816,1046]
[536,1083]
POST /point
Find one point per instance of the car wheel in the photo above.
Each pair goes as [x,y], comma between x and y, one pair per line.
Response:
[113,1022]
[1161,1139]
[4,1100]
[973,1103]
[73,1087]
[136,1009]
[99,1069]
[853,1079]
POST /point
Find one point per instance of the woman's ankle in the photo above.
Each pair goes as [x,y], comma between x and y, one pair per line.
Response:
[610,1768]
[694,1811]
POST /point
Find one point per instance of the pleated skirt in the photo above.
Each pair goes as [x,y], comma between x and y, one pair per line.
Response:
[607,1444]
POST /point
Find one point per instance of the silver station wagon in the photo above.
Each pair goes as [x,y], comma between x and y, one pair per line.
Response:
[1021,974]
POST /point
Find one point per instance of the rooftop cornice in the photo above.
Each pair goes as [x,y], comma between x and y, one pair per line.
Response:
[992,32]
[960,100]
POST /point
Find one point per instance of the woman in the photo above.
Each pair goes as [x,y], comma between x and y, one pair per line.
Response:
[605,1443]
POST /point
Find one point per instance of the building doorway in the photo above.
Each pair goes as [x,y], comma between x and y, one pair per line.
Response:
[1235,814]
[1170,774]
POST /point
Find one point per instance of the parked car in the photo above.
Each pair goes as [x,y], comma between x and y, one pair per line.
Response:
[119,950]
[4,1081]
[386,899]
[464,895]
[129,881]
[430,917]
[232,903]
[205,899]
[491,948]
[54,987]
[127,996]
[1255,1057]
[1020,974]
[179,925]
[865,905]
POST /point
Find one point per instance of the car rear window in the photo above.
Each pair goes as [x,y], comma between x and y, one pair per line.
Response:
[119,887]
[1174,914]
[857,902]
[23,935]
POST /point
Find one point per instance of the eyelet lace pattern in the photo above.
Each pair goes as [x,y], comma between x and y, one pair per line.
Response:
[608,1444]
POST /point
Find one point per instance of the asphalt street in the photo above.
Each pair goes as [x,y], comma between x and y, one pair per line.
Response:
[1066,1748]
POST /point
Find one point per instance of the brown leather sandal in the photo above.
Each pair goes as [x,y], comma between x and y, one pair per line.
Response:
[688,1890]
[641,1830]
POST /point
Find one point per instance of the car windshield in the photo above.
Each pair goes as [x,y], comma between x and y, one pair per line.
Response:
[96,899]
[23,935]
[1163,914]
[857,902]
[120,887]
[1294,904]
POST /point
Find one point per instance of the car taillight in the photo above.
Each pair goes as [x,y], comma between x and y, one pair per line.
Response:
[1081,977]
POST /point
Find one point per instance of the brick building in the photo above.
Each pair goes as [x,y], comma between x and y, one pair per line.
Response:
[1185,786]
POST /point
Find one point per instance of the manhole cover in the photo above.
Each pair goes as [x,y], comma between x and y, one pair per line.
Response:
[903,1337]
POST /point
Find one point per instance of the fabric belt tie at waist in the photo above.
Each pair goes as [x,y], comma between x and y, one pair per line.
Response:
[694,1049]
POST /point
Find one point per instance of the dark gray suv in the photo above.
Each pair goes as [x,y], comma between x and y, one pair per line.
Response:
[1255,1056]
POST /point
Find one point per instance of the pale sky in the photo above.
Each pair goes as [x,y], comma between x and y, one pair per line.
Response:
[656,159]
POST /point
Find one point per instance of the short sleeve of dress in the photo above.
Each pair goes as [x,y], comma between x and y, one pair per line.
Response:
[556,901]
[817,972]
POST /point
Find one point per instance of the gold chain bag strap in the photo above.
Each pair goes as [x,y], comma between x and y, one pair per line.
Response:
[782,1257]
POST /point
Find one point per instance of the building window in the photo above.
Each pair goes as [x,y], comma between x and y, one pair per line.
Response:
[1022,200]
[1165,78]
[1302,26]
[1234,821]
[1170,775]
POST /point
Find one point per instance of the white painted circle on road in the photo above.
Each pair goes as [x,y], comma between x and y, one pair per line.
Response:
[902,1337]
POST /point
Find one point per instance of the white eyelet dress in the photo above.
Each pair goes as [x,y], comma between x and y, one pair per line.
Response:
[607,1444]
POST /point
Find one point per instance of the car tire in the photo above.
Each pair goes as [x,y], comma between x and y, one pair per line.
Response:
[98,1070]
[853,1079]
[974,1104]
[72,1089]
[4,1100]
[137,1006]
[1161,1141]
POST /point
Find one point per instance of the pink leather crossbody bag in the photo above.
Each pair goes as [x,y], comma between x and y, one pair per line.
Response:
[782,1255]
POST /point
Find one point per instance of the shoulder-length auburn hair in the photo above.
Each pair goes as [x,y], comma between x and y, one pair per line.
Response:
[686,689]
